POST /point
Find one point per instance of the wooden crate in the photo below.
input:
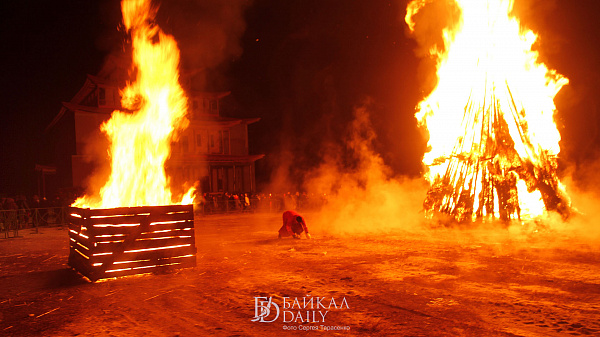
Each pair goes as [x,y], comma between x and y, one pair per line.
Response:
[131,240]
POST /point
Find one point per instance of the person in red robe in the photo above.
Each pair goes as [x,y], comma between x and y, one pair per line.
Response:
[293,225]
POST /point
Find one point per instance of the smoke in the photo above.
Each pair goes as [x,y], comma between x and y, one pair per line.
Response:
[281,181]
[362,194]
[95,155]
[582,183]
[433,19]
[208,33]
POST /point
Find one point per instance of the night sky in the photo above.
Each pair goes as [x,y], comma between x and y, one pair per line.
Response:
[302,66]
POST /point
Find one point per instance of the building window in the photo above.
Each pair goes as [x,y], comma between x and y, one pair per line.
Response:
[195,112]
[216,141]
[202,141]
[185,144]
[220,142]
[101,96]
[220,179]
[226,142]
[214,106]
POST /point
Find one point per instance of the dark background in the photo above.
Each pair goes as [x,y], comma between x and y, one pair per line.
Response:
[302,66]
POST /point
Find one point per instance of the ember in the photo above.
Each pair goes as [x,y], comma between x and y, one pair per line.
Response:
[493,142]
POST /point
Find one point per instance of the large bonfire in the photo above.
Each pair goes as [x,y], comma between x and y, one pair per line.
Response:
[493,142]
[154,107]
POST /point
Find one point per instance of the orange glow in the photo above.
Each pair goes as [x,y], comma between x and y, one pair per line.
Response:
[143,260]
[164,238]
[157,248]
[167,222]
[80,234]
[115,216]
[163,231]
[118,262]
[154,113]
[117,225]
[110,236]
[488,74]
[143,267]
[80,253]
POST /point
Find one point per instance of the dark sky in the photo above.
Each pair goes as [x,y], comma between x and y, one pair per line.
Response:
[300,65]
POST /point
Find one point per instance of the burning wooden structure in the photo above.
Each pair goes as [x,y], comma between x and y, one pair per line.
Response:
[493,143]
[131,240]
[484,168]
[121,229]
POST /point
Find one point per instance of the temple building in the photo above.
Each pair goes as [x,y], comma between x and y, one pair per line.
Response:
[212,152]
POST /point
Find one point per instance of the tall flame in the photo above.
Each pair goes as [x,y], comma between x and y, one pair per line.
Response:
[140,138]
[488,75]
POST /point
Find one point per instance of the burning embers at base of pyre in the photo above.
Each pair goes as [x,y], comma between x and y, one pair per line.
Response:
[493,143]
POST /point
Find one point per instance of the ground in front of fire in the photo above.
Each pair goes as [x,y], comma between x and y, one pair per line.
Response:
[436,282]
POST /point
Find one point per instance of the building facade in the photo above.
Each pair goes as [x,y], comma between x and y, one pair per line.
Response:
[212,152]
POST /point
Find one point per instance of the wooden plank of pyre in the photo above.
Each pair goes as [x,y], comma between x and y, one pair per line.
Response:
[78,220]
[189,262]
[145,256]
[119,250]
[139,210]
[81,237]
[173,252]
[144,244]
[158,250]
[148,265]
[106,229]
[80,259]
[81,265]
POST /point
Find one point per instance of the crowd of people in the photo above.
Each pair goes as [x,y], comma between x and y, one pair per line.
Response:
[20,211]
[264,202]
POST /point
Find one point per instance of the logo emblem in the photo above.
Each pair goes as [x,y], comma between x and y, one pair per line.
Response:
[263,309]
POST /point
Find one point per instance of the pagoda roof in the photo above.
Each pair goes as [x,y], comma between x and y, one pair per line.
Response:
[69,106]
[86,108]
[92,82]
[104,81]
[85,90]
[205,120]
